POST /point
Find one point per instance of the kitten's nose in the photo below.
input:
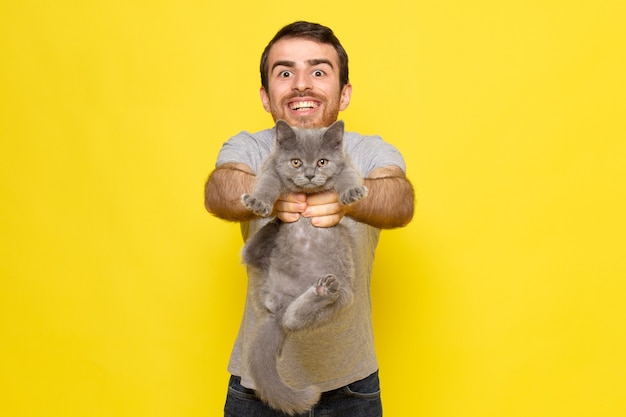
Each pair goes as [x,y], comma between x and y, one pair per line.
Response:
[309,173]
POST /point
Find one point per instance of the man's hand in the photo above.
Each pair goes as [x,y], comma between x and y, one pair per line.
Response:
[323,208]
[289,207]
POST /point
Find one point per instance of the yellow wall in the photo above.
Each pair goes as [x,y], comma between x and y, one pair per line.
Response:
[120,296]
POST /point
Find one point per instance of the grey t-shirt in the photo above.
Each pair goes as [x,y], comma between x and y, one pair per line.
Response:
[341,351]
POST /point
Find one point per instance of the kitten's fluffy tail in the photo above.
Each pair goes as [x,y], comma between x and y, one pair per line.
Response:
[267,345]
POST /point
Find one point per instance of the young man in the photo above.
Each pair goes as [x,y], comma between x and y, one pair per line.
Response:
[304,76]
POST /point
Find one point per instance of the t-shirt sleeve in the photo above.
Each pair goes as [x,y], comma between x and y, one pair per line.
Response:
[371,152]
[244,148]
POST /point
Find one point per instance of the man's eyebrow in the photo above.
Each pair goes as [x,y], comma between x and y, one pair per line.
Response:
[289,64]
[311,62]
[319,61]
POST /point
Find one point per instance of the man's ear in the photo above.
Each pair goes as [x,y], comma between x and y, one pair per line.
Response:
[344,99]
[265,99]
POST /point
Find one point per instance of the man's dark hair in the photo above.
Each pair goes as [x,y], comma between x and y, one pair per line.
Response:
[312,31]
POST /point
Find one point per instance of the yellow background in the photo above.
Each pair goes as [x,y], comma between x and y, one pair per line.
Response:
[120,296]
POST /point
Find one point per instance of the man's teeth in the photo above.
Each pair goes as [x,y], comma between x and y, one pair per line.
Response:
[303,105]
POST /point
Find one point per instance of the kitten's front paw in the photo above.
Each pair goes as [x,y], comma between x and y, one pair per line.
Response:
[255,205]
[327,286]
[353,195]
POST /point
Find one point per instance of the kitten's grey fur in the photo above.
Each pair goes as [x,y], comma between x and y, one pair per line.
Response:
[306,271]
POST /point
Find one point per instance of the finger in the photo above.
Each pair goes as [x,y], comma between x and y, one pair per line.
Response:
[326,221]
[323,210]
[287,217]
[289,206]
[325,197]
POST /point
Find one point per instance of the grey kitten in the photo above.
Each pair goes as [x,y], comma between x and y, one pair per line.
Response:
[306,271]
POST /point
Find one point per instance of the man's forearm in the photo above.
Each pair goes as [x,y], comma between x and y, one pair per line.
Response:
[223,191]
[390,201]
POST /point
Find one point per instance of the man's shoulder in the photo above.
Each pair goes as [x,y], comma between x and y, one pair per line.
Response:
[361,137]
[261,135]
[247,148]
[354,141]
[371,151]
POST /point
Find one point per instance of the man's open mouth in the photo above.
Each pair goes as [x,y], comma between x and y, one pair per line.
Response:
[303,105]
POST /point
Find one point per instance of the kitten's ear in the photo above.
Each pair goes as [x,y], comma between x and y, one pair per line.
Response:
[334,134]
[285,134]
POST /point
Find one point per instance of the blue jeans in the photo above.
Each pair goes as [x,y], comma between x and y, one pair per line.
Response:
[359,399]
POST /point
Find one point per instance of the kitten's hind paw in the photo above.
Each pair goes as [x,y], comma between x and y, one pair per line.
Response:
[353,195]
[255,205]
[327,286]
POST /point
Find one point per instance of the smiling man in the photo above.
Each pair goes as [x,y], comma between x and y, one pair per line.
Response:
[304,91]
[304,78]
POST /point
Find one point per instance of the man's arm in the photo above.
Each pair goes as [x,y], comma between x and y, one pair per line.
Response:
[390,201]
[223,191]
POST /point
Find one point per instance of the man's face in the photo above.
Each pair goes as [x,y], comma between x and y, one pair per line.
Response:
[303,84]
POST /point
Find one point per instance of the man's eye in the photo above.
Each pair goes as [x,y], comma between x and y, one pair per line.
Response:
[296,163]
[318,73]
[284,74]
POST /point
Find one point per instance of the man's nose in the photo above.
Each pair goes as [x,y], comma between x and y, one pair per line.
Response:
[302,82]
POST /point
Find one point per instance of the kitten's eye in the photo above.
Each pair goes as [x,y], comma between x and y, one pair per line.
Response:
[296,163]
[322,162]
